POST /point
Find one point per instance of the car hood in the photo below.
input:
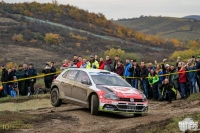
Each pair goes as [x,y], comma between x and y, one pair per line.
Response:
[123,92]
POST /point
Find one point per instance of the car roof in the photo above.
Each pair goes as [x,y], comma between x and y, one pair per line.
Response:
[88,70]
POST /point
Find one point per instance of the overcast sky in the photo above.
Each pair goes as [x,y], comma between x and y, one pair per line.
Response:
[132,8]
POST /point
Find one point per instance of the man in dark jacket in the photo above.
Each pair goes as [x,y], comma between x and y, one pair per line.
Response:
[75,59]
[108,64]
[120,68]
[143,78]
[135,72]
[53,70]
[167,90]
[32,72]
[4,78]
[20,74]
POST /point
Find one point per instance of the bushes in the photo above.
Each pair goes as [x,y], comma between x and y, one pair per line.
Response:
[18,38]
[51,38]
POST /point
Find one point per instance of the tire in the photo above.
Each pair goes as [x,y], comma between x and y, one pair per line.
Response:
[55,101]
[94,105]
[137,115]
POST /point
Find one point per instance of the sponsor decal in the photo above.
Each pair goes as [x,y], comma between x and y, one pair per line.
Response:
[188,124]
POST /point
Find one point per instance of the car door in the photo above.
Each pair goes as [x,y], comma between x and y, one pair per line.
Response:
[68,82]
[79,91]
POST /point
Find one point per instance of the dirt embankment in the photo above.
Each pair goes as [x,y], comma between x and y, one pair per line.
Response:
[71,118]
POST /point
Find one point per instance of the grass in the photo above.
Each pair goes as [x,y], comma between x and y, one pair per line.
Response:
[166,126]
[194,97]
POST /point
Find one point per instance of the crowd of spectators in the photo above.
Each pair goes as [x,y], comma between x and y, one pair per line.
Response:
[157,80]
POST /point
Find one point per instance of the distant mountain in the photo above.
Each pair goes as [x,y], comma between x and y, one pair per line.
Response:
[197,17]
[165,27]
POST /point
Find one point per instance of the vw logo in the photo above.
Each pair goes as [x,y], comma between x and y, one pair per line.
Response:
[132,100]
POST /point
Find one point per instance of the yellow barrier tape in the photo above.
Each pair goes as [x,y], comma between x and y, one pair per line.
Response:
[43,75]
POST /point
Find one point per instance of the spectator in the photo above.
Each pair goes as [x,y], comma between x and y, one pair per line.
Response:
[150,66]
[108,64]
[101,63]
[168,90]
[120,68]
[135,72]
[32,72]
[165,68]
[96,58]
[198,72]
[4,78]
[92,64]
[84,64]
[75,59]
[10,78]
[192,76]
[177,61]
[25,68]
[182,79]
[161,78]
[174,77]
[13,71]
[72,65]
[53,70]
[127,74]
[143,78]
[20,74]
[80,62]
[115,62]
[153,81]
[48,78]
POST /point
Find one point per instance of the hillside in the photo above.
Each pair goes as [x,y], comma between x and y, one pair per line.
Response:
[26,28]
[197,17]
[165,27]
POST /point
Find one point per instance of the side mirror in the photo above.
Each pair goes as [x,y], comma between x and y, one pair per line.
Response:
[85,81]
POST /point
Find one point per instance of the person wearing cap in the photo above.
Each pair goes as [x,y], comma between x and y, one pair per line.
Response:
[31,73]
[92,64]
[20,74]
[4,78]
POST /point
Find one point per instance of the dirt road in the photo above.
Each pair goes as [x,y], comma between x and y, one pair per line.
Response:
[70,118]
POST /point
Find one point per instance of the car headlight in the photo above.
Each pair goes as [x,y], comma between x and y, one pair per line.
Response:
[144,98]
[111,96]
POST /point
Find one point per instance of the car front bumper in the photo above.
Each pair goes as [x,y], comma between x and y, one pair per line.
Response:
[124,107]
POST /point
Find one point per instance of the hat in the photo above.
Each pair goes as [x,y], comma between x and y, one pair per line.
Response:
[167,65]
[2,65]
[91,56]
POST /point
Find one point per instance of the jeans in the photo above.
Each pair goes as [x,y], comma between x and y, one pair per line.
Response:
[193,86]
[135,83]
[5,91]
[144,84]
[182,88]
[159,91]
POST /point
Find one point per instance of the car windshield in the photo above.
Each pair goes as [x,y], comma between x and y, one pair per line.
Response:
[108,79]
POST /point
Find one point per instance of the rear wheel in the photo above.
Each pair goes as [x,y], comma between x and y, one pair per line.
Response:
[94,104]
[55,101]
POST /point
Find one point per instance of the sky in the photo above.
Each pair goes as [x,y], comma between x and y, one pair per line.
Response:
[114,9]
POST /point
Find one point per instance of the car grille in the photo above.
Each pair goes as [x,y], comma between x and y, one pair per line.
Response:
[128,99]
[131,107]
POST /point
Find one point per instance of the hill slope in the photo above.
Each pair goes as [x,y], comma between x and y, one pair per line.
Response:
[197,17]
[165,27]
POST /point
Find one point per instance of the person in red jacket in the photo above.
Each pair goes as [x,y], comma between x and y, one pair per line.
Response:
[80,62]
[182,79]
[101,64]
[119,69]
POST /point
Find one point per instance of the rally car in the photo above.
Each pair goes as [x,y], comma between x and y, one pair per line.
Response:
[99,90]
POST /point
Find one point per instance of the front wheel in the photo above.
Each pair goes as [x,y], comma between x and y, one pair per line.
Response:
[55,101]
[94,104]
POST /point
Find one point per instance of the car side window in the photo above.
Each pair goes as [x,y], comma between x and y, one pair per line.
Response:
[71,74]
[82,75]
